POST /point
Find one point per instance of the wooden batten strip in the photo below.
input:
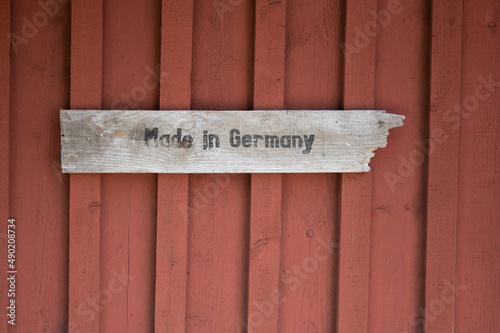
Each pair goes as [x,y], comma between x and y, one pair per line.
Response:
[85,189]
[266,189]
[172,214]
[354,257]
[442,181]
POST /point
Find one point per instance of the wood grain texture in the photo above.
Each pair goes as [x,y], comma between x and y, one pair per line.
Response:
[397,244]
[220,230]
[85,190]
[355,207]
[277,141]
[38,192]
[84,251]
[131,43]
[442,179]
[266,196]
[313,80]
[219,212]
[173,189]
[477,290]
[171,253]
[5,20]
[308,281]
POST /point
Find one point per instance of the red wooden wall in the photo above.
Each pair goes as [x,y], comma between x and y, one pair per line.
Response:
[412,245]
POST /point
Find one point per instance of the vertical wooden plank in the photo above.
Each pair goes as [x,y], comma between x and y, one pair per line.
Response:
[265,222]
[131,73]
[38,191]
[269,62]
[171,253]
[355,208]
[219,204]
[4,150]
[308,253]
[84,233]
[399,173]
[172,219]
[308,279]
[85,189]
[477,290]
[442,180]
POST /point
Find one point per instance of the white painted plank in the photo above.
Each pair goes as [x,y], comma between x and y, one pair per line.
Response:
[96,141]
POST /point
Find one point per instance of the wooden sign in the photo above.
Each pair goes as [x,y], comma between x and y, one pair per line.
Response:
[222,141]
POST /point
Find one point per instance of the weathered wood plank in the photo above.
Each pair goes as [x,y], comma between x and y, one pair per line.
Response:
[222,141]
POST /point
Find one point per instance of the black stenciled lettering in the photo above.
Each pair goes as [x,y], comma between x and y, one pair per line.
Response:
[309,142]
[272,141]
[205,139]
[286,141]
[256,139]
[234,140]
[187,141]
[151,134]
[165,140]
[211,139]
[297,139]
[246,141]
[176,140]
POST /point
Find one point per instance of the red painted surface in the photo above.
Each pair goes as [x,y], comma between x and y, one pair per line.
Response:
[266,189]
[415,243]
[173,190]
[5,26]
[38,192]
[478,235]
[443,165]
[129,202]
[356,189]
[313,78]
[397,244]
[219,223]
[85,189]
